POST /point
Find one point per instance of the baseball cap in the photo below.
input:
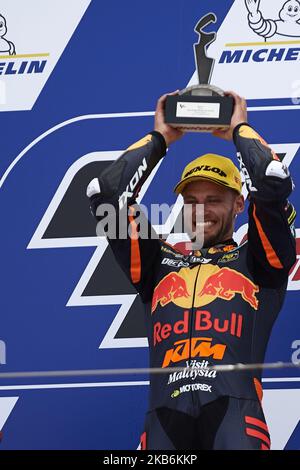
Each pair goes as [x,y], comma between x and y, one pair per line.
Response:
[211,167]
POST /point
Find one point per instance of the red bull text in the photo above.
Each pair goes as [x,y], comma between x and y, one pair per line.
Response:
[203,322]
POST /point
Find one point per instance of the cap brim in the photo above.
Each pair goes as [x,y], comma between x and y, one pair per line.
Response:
[182,184]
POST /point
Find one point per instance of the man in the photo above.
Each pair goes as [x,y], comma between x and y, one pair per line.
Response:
[213,306]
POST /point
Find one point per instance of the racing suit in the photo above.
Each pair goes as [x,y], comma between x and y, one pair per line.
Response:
[208,307]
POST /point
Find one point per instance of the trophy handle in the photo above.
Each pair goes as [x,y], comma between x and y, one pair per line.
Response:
[202,23]
[204,64]
[202,90]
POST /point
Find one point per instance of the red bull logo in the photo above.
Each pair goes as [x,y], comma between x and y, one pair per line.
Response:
[227,283]
[170,288]
[209,282]
[191,348]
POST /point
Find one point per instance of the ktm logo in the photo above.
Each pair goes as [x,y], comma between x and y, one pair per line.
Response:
[214,282]
[194,347]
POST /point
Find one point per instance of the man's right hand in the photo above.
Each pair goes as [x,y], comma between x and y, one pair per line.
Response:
[170,134]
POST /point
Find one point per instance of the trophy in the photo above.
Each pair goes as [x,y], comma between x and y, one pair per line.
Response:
[203,107]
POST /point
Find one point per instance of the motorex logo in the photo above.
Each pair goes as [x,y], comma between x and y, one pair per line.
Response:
[258,57]
[32,40]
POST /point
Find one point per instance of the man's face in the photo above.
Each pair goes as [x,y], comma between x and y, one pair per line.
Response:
[221,205]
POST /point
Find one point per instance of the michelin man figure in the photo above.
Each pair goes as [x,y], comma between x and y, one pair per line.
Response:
[287,25]
[6,47]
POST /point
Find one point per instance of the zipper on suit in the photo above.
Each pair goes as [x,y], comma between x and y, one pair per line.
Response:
[192,321]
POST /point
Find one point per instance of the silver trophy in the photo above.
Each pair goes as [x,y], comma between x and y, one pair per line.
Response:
[203,107]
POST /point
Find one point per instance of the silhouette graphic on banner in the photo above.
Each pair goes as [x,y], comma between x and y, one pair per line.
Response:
[287,25]
[6,47]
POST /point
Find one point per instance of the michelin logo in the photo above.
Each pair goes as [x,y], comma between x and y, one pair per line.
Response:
[24,71]
[286,25]
[278,54]
[6,47]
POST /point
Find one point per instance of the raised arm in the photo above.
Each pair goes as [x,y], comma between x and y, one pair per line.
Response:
[117,187]
[271,238]
[271,216]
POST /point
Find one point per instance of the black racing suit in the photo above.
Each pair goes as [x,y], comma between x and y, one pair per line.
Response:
[211,307]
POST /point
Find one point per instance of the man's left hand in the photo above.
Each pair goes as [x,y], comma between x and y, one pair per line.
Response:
[238,117]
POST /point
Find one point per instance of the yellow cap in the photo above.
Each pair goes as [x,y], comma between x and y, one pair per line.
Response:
[211,167]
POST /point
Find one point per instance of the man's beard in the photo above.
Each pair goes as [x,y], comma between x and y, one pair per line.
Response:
[214,239]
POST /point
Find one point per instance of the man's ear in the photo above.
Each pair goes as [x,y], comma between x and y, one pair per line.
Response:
[239,204]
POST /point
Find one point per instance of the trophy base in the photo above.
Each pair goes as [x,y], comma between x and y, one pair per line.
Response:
[200,108]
